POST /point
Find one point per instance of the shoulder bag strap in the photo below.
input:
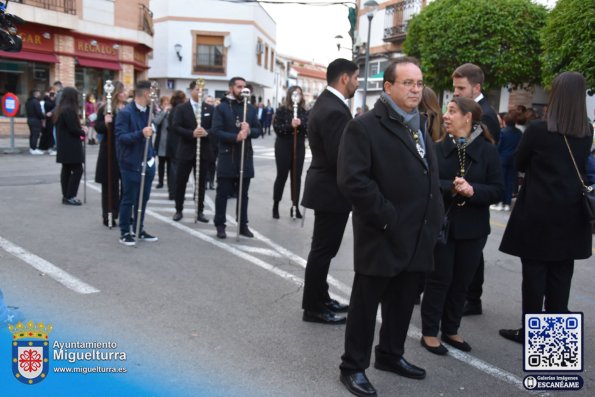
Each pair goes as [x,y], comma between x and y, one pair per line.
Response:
[588,189]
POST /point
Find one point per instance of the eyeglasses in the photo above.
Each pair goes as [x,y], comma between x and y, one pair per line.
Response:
[410,83]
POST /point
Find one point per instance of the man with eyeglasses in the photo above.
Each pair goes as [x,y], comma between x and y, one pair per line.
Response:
[466,81]
[388,169]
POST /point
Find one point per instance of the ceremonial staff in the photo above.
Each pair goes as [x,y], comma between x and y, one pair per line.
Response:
[245,95]
[84,152]
[197,113]
[295,98]
[146,152]
[109,88]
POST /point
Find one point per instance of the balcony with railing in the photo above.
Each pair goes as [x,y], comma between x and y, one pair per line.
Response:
[64,6]
[145,19]
[396,18]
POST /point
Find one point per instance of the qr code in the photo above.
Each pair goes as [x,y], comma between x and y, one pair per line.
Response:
[554,342]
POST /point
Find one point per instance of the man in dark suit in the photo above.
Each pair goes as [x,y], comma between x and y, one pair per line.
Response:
[230,129]
[132,130]
[466,81]
[185,125]
[326,122]
[387,168]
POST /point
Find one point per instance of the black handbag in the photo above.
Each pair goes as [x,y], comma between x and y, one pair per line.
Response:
[588,197]
[443,233]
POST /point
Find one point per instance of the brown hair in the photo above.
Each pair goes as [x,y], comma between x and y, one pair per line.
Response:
[472,72]
[467,105]
[289,102]
[431,107]
[177,98]
[567,109]
[390,73]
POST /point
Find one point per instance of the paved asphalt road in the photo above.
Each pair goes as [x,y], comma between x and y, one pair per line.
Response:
[198,316]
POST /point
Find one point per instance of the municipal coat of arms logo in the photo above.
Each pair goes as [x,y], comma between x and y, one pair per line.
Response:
[30,351]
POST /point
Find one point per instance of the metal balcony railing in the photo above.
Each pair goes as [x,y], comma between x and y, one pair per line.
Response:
[396,18]
[64,6]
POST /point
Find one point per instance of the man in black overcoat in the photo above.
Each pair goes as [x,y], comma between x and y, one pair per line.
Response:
[467,80]
[185,125]
[387,168]
[326,122]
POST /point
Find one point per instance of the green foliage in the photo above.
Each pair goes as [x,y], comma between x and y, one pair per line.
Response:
[569,41]
[500,36]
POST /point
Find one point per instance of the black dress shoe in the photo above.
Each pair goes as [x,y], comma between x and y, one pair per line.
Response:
[401,367]
[358,384]
[472,308]
[439,350]
[202,218]
[221,231]
[178,216]
[298,214]
[159,185]
[170,196]
[515,335]
[336,307]
[324,317]
[463,346]
[244,231]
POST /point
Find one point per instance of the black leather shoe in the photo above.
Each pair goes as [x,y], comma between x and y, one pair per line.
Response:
[439,350]
[336,307]
[159,185]
[244,231]
[324,317]
[178,216]
[221,232]
[401,367]
[515,335]
[463,346]
[298,214]
[276,211]
[472,309]
[202,218]
[358,384]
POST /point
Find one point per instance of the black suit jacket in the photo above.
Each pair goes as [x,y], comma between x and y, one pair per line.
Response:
[489,118]
[397,207]
[184,124]
[326,122]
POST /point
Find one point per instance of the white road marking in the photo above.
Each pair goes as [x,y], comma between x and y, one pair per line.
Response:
[48,268]
[413,332]
[258,250]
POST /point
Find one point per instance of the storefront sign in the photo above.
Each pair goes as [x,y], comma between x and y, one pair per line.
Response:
[36,37]
[93,48]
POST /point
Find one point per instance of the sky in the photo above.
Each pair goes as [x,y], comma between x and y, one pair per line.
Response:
[308,32]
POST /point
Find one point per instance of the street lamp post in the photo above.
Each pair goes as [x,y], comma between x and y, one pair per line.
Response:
[370,6]
[339,39]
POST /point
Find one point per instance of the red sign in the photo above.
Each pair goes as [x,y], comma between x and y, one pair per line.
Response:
[10,104]
[37,37]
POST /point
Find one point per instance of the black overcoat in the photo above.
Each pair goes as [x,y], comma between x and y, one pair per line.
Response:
[102,157]
[326,121]
[470,217]
[489,118]
[226,131]
[548,222]
[184,124]
[68,138]
[397,206]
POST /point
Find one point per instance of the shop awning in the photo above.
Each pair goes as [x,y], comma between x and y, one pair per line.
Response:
[30,56]
[98,64]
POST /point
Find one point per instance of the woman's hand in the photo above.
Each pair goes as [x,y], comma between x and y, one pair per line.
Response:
[295,123]
[462,187]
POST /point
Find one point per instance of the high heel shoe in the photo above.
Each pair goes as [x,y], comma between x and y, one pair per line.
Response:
[276,210]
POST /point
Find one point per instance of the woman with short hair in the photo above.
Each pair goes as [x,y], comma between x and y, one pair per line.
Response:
[548,227]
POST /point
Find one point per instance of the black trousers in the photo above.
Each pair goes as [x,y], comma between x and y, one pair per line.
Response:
[70,177]
[183,169]
[446,287]
[35,131]
[549,281]
[397,298]
[225,188]
[326,240]
[171,173]
[475,289]
[284,163]
[115,208]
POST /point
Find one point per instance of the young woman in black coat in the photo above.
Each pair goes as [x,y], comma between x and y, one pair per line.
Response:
[284,124]
[471,180]
[548,227]
[69,139]
[119,97]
